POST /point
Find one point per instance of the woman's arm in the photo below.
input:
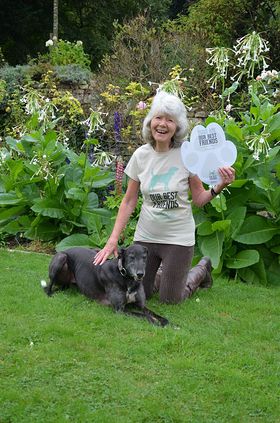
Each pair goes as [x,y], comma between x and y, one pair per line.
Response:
[200,196]
[127,207]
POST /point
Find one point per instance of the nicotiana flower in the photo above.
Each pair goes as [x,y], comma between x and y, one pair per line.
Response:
[228,107]
[49,43]
[220,60]
[259,145]
[250,52]
[268,75]
[94,122]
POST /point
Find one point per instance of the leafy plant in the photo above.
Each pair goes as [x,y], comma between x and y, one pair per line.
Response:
[72,74]
[47,191]
[66,53]
[240,228]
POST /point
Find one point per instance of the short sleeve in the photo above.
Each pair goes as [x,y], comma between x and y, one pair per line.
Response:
[132,168]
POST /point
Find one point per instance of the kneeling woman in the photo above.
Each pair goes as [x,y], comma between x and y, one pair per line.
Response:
[166,225]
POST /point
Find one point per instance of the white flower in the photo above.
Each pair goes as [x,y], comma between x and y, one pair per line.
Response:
[49,43]
[79,43]
[228,107]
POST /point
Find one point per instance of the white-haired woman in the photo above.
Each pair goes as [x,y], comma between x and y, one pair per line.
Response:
[166,225]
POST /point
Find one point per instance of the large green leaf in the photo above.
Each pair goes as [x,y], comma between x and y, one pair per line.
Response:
[212,246]
[10,212]
[256,230]
[221,225]
[76,194]
[237,217]
[205,228]
[92,221]
[234,131]
[44,231]
[14,144]
[243,259]
[50,208]
[75,240]
[10,198]
[255,274]
[91,202]
[273,127]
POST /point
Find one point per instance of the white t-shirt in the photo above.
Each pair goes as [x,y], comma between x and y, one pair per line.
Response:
[166,215]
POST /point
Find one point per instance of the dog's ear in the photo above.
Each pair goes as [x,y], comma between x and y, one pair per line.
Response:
[121,253]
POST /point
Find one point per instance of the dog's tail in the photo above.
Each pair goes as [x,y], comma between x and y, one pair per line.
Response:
[45,286]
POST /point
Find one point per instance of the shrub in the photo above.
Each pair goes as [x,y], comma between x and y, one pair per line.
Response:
[72,74]
[66,53]
[14,76]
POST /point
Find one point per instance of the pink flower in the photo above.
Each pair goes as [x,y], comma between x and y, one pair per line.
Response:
[141,105]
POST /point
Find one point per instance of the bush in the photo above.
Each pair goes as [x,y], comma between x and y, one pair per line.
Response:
[14,76]
[67,53]
[72,74]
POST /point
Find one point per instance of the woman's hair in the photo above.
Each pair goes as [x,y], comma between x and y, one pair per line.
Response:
[167,104]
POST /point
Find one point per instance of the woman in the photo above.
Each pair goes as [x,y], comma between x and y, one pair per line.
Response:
[166,225]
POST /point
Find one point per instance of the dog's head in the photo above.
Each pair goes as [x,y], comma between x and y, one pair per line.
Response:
[132,261]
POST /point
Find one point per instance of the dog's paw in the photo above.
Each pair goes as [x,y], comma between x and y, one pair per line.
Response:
[43,284]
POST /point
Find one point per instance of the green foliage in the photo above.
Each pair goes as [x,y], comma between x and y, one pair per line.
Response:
[3,86]
[66,53]
[47,191]
[72,74]
[14,76]
[240,229]
[49,108]
[112,203]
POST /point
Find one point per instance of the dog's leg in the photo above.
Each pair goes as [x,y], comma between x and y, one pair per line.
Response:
[155,318]
[147,314]
[144,312]
[116,297]
[58,273]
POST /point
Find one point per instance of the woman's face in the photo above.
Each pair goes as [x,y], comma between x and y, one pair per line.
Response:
[163,127]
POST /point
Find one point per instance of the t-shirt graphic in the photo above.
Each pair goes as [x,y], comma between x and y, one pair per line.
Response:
[163,179]
[168,198]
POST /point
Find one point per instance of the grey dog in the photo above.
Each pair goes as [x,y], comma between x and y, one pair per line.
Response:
[117,282]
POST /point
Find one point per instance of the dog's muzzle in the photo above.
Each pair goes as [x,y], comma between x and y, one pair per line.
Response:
[138,277]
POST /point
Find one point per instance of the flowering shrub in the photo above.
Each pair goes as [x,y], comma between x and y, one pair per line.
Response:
[66,53]
[45,108]
[240,228]
[48,192]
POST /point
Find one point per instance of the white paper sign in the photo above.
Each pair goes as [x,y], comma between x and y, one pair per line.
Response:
[206,151]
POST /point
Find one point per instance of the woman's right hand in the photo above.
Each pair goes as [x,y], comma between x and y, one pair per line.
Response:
[110,248]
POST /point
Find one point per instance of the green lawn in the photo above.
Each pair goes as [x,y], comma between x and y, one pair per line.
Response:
[67,359]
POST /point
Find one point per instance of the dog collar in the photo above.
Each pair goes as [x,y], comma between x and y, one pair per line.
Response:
[122,270]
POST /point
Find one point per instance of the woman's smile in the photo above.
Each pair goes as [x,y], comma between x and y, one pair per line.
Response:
[163,128]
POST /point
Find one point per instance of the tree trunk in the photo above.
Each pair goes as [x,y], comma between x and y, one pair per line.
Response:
[55,19]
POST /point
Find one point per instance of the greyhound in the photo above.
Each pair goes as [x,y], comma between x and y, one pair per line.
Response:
[117,282]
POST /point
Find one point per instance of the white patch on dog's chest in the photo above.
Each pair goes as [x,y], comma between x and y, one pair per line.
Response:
[131,297]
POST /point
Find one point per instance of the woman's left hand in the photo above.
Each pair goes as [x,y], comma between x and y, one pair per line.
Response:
[227,174]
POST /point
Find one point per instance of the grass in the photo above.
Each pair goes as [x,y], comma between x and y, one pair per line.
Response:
[67,359]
